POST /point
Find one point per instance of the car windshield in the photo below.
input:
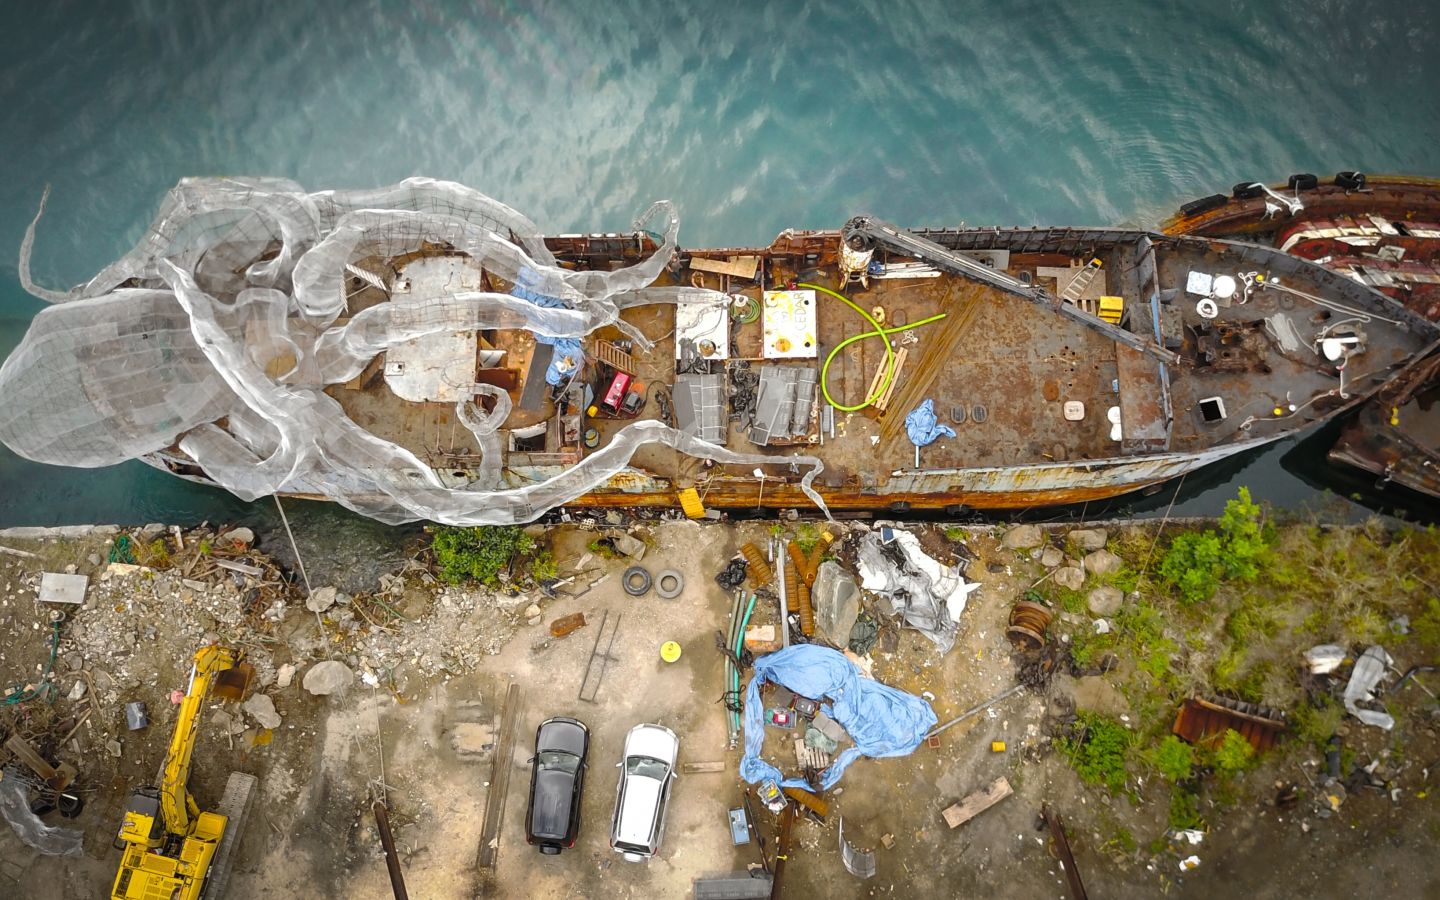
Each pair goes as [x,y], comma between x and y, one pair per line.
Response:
[648,767]
[559,760]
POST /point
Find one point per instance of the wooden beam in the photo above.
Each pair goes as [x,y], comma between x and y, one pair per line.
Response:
[976,803]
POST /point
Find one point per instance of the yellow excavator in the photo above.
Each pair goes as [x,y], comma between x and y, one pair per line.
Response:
[172,850]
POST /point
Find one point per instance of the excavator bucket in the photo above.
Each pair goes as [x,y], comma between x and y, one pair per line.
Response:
[231,684]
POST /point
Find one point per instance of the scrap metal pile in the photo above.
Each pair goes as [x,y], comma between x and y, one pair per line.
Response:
[213,340]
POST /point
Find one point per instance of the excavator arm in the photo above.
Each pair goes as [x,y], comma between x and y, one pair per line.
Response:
[168,842]
[862,232]
[177,807]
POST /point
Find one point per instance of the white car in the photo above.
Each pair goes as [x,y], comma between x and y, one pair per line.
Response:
[646,771]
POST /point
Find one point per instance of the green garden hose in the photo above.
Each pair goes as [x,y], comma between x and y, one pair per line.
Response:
[739,649]
[876,331]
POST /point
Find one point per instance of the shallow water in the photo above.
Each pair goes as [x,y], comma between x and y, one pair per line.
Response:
[753,117]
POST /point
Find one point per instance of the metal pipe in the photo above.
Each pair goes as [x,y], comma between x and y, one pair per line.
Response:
[392,860]
[784,601]
[975,709]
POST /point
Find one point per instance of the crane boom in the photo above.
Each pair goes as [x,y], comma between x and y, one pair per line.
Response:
[867,230]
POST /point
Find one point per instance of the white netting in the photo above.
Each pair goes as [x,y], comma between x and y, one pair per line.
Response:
[179,343]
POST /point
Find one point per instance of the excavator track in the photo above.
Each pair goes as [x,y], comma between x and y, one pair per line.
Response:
[235,807]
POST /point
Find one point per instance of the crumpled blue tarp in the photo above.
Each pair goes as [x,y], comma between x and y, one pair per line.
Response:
[923,427]
[564,347]
[881,720]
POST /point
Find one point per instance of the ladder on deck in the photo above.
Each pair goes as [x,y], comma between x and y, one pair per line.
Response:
[1081,281]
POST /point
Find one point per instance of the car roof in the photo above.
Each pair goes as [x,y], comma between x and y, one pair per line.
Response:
[638,810]
[550,805]
[654,741]
[561,734]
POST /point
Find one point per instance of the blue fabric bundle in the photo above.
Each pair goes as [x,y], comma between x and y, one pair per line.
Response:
[881,720]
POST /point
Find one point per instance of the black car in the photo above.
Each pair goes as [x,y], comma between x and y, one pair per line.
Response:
[557,777]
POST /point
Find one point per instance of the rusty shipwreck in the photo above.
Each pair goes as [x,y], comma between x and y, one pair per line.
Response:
[1382,231]
[423,351]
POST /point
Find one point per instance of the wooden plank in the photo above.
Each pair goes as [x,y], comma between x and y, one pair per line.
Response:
[976,803]
[735,267]
[697,768]
[884,399]
[500,767]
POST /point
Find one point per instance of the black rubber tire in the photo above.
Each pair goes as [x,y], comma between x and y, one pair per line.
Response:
[1350,181]
[1304,182]
[666,576]
[636,581]
[1203,205]
[1246,190]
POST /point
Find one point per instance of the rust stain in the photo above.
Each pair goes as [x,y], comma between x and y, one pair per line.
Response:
[1204,722]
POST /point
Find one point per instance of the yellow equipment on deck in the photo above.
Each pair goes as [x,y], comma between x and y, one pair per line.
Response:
[168,843]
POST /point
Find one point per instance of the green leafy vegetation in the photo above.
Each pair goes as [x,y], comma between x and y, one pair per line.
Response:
[479,553]
[1198,560]
[1173,758]
[543,566]
[955,534]
[1234,753]
[1426,626]
[1098,750]
[1184,809]
[807,535]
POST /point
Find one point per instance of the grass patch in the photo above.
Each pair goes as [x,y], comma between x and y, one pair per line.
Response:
[1233,754]
[1184,809]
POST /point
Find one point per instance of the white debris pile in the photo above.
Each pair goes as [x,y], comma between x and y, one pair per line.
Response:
[928,595]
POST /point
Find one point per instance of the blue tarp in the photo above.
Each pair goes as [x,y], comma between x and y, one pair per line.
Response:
[564,347]
[881,720]
[923,427]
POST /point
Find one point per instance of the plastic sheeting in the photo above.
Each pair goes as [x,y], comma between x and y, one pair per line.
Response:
[15,809]
[929,596]
[219,332]
[1369,670]
[881,720]
[923,426]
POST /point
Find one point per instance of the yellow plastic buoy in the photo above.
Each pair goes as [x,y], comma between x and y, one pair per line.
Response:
[669,651]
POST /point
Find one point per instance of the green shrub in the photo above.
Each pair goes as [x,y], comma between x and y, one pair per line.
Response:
[1184,809]
[1192,566]
[1234,753]
[1098,750]
[543,566]
[1196,561]
[807,535]
[1173,758]
[478,554]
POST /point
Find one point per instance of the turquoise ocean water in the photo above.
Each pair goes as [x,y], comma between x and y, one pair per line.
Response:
[753,117]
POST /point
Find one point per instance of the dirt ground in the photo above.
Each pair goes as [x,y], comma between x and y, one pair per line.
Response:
[428,726]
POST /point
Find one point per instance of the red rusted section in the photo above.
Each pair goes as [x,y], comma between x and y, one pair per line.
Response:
[1204,722]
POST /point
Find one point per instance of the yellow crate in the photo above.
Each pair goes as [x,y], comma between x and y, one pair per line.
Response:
[690,503]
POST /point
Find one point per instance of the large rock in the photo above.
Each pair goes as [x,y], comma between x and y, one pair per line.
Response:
[262,709]
[1070,577]
[1023,537]
[836,602]
[1102,562]
[1105,601]
[1051,557]
[1088,538]
[328,677]
[321,599]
